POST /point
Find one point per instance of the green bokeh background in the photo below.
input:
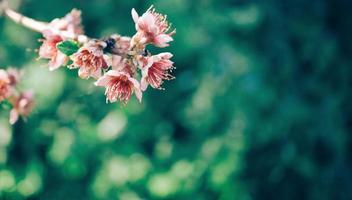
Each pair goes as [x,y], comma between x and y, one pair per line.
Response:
[260,109]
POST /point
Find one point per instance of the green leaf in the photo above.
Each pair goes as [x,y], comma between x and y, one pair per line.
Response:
[69,63]
[6,105]
[68,47]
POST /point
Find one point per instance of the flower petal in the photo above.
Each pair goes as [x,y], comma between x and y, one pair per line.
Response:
[59,60]
[138,93]
[144,84]
[165,55]
[82,73]
[116,62]
[97,74]
[134,15]
[102,81]
[162,40]
[14,115]
[137,88]
[116,73]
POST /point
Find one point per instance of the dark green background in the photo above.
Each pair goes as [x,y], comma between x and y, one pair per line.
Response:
[260,109]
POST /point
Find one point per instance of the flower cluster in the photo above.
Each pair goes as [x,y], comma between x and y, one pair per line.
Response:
[71,24]
[121,64]
[21,102]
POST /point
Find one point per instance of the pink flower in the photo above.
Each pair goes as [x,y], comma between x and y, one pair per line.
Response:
[119,44]
[121,64]
[119,86]
[152,27]
[156,71]
[5,85]
[125,66]
[74,22]
[70,23]
[14,76]
[22,106]
[48,50]
[90,60]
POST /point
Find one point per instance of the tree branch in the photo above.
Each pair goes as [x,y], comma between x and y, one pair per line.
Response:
[25,21]
[37,26]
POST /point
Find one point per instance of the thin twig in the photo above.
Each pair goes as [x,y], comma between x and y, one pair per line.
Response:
[25,21]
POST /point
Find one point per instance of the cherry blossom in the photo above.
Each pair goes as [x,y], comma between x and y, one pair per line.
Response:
[90,60]
[121,64]
[49,50]
[157,70]
[153,28]
[119,86]
[5,86]
[22,106]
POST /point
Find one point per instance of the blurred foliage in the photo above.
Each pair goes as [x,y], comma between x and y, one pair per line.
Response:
[260,108]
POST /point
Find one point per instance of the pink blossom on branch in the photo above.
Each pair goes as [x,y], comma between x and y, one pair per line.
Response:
[14,76]
[22,106]
[71,23]
[90,60]
[121,64]
[118,44]
[48,50]
[21,103]
[119,86]
[152,27]
[8,80]
[5,85]
[156,70]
